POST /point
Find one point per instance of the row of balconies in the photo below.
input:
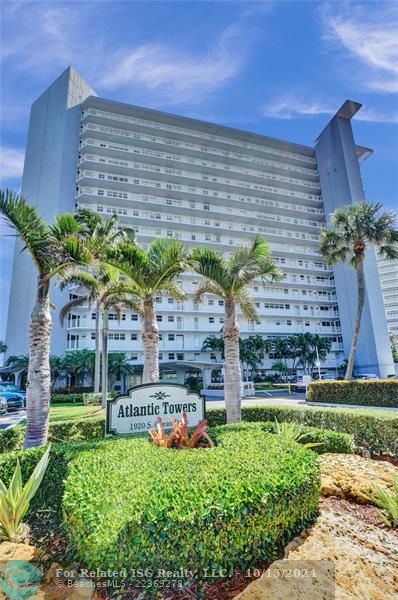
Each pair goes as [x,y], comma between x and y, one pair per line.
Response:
[208,188]
[192,133]
[157,163]
[105,145]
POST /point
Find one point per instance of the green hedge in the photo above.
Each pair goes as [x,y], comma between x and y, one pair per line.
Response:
[71,398]
[331,441]
[131,504]
[379,430]
[50,493]
[376,392]
[62,431]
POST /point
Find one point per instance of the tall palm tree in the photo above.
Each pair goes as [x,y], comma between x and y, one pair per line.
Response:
[351,231]
[108,291]
[150,272]
[230,280]
[53,248]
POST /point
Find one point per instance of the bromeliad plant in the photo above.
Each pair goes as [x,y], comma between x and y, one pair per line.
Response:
[15,500]
[179,436]
[294,432]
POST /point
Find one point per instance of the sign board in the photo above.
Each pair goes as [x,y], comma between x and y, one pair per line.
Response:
[138,410]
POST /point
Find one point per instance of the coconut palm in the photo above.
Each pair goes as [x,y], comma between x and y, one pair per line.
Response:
[213,344]
[230,280]
[53,248]
[108,292]
[79,364]
[350,233]
[148,273]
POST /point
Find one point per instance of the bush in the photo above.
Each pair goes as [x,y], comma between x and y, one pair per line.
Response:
[130,504]
[376,392]
[93,398]
[71,398]
[50,493]
[331,441]
[74,390]
[62,431]
[378,430]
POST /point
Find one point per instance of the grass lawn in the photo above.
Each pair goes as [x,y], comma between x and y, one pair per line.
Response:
[68,412]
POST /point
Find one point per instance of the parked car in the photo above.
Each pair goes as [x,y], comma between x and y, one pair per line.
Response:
[364,376]
[15,400]
[3,405]
[11,387]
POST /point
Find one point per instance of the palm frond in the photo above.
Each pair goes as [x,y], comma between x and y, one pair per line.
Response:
[210,265]
[207,287]
[246,303]
[76,302]
[29,226]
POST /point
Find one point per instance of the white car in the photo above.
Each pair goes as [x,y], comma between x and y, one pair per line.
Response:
[365,376]
[3,405]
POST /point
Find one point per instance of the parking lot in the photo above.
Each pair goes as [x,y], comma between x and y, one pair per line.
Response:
[12,418]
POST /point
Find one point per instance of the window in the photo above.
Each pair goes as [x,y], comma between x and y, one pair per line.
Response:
[134,337]
[134,356]
[134,317]
[171,337]
[211,319]
[171,356]
[180,356]
[211,302]
[159,318]
[93,336]
[170,319]
[93,316]
[221,303]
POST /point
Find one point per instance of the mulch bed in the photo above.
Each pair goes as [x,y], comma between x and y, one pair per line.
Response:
[386,458]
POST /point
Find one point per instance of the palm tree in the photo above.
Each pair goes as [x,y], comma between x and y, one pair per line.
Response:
[230,280]
[3,347]
[107,291]
[150,272]
[213,344]
[56,368]
[281,367]
[78,364]
[53,248]
[351,231]
[281,348]
[119,367]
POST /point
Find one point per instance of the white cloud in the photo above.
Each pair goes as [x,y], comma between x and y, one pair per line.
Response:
[290,107]
[370,34]
[11,162]
[175,75]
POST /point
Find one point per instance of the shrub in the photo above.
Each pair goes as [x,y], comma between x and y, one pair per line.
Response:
[376,392]
[379,430]
[50,493]
[92,398]
[225,508]
[71,398]
[62,431]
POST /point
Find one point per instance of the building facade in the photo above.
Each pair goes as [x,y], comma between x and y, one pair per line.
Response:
[203,184]
[388,270]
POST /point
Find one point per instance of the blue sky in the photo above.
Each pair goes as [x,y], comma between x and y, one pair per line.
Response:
[280,68]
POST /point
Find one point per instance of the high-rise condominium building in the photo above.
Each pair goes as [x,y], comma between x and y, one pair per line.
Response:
[203,184]
[388,270]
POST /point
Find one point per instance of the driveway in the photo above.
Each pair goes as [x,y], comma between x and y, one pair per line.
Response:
[12,418]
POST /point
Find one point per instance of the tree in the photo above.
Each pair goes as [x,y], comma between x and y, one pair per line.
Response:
[351,231]
[150,272]
[213,344]
[281,348]
[108,291]
[230,280]
[56,368]
[53,249]
[281,367]
[252,351]
[79,364]
[119,367]
[3,347]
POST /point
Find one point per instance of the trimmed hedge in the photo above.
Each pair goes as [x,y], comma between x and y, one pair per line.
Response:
[378,430]
[376,392]
[131,504]
[71,398]
[62,431]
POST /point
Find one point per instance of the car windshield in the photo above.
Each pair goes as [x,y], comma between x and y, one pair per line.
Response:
[11,387]
[3,388]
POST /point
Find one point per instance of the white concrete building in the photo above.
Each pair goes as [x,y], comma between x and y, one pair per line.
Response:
[388,270]
[204,184]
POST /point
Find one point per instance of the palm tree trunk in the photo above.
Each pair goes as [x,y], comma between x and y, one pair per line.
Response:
[38,391]
[232,370]
[357,325]
[105,335]
[150,339]
[97,366]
